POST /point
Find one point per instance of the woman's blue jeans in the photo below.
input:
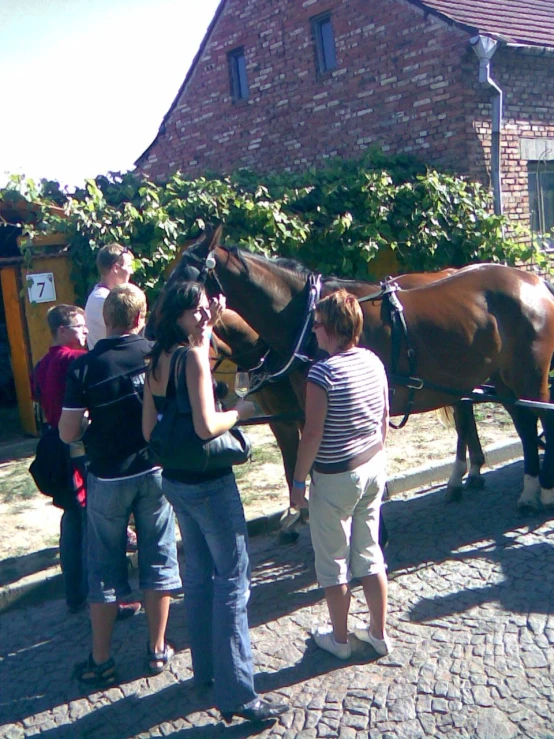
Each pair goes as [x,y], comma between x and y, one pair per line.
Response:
[217,586]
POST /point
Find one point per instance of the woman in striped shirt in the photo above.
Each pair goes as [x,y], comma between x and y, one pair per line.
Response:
[342,446]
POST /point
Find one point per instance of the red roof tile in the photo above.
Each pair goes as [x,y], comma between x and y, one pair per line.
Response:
[529,22]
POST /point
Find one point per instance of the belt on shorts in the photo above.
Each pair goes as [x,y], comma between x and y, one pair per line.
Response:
[345,465]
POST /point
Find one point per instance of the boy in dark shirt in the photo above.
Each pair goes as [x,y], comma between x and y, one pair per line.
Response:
[108,383]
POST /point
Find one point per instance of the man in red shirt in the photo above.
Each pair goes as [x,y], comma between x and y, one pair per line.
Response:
[69,331]
[69,335]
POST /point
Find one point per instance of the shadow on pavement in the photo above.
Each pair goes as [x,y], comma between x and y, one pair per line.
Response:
[133,714]
[39,648]
[485,526]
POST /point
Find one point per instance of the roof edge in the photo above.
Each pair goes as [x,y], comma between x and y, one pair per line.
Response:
[189,74]
[531,49]
[472,29]
[446,18]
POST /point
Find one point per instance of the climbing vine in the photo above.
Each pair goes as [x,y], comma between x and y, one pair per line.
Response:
[336,219]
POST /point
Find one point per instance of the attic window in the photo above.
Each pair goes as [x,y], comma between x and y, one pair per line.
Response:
[237,74]
[324,43]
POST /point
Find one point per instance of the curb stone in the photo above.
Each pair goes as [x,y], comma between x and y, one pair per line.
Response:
[48,583]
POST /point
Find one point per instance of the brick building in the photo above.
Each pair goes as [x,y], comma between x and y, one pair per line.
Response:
[286,84]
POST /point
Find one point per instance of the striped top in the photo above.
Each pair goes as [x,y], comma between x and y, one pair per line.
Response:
[357,401]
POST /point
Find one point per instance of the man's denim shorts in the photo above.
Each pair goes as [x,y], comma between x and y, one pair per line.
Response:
[109,505]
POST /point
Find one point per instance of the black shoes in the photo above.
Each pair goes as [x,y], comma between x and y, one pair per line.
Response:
[260,711]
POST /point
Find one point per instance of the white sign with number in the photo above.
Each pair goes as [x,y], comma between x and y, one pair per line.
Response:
[41,288]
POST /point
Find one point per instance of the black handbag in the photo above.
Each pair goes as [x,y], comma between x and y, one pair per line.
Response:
[175,443]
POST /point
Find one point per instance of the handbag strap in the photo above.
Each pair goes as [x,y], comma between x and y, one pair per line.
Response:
[171,389]
[177,382]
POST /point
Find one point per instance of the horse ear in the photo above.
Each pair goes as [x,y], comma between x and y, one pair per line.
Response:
[217,237]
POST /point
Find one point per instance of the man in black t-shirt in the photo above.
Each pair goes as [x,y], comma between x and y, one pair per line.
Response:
[107,383]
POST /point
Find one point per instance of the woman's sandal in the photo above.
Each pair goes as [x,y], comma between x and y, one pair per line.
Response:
[89,673]
[159,661]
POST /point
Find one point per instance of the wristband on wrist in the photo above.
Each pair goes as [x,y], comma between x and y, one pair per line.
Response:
[298,484]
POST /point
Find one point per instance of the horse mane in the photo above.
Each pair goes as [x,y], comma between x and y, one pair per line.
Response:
[286,263]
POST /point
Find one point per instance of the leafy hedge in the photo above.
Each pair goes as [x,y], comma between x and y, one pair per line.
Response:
[335,219]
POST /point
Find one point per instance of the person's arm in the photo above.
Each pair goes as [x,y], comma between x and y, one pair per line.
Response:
[71,424]
[316,412]
[208,421]
[149,413]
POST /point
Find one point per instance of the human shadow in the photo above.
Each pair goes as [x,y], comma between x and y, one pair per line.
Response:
[136,710]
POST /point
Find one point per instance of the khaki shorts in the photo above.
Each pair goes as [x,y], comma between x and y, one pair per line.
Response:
[344,522]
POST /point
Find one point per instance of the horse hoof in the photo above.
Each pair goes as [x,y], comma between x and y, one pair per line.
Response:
[476,482]
[453,495]
[527,509]
[547,497]
[288,537]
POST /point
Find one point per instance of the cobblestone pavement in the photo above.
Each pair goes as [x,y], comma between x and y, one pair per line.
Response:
[471,614]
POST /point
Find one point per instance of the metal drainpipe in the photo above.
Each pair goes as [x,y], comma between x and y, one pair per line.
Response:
[484,47]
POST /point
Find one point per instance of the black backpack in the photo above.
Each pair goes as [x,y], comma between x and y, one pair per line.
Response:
[52,469]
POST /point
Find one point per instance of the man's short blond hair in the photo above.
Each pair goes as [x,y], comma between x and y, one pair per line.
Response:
[123,306]
[108,256]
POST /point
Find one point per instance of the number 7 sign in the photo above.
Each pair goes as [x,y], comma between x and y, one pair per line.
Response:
[41,288]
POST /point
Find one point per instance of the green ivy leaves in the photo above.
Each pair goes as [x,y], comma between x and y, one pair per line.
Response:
[336,219]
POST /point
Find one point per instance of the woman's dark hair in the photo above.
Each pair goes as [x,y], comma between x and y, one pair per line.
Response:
[173,302]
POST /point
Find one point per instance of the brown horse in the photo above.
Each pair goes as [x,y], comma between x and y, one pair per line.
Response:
[485,323]
[237,341]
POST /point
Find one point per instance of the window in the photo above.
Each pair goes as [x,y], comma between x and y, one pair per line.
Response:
[324,43]
[541,196]
[237,74]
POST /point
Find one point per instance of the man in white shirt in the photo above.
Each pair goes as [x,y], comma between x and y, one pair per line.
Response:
[115,265]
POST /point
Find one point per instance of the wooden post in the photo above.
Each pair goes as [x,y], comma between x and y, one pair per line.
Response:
[18,347]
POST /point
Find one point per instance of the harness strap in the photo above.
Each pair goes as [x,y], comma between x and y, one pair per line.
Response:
[399,333]
[257,382]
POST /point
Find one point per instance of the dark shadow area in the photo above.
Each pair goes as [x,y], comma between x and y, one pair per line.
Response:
[426,529]
[11,431]
[14,568]
[520,592]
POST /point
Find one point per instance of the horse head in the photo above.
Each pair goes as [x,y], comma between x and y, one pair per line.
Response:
[255,287]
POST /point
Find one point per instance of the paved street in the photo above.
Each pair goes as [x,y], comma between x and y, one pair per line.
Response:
[471,615]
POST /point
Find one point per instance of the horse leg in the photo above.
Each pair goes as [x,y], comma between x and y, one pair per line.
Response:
[547,468]
[468,438]
[525,422]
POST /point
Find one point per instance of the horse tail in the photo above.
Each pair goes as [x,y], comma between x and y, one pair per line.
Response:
[445,416]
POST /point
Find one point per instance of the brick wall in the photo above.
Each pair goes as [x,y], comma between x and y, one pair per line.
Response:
[405,82]
[528,85]
[399,86]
